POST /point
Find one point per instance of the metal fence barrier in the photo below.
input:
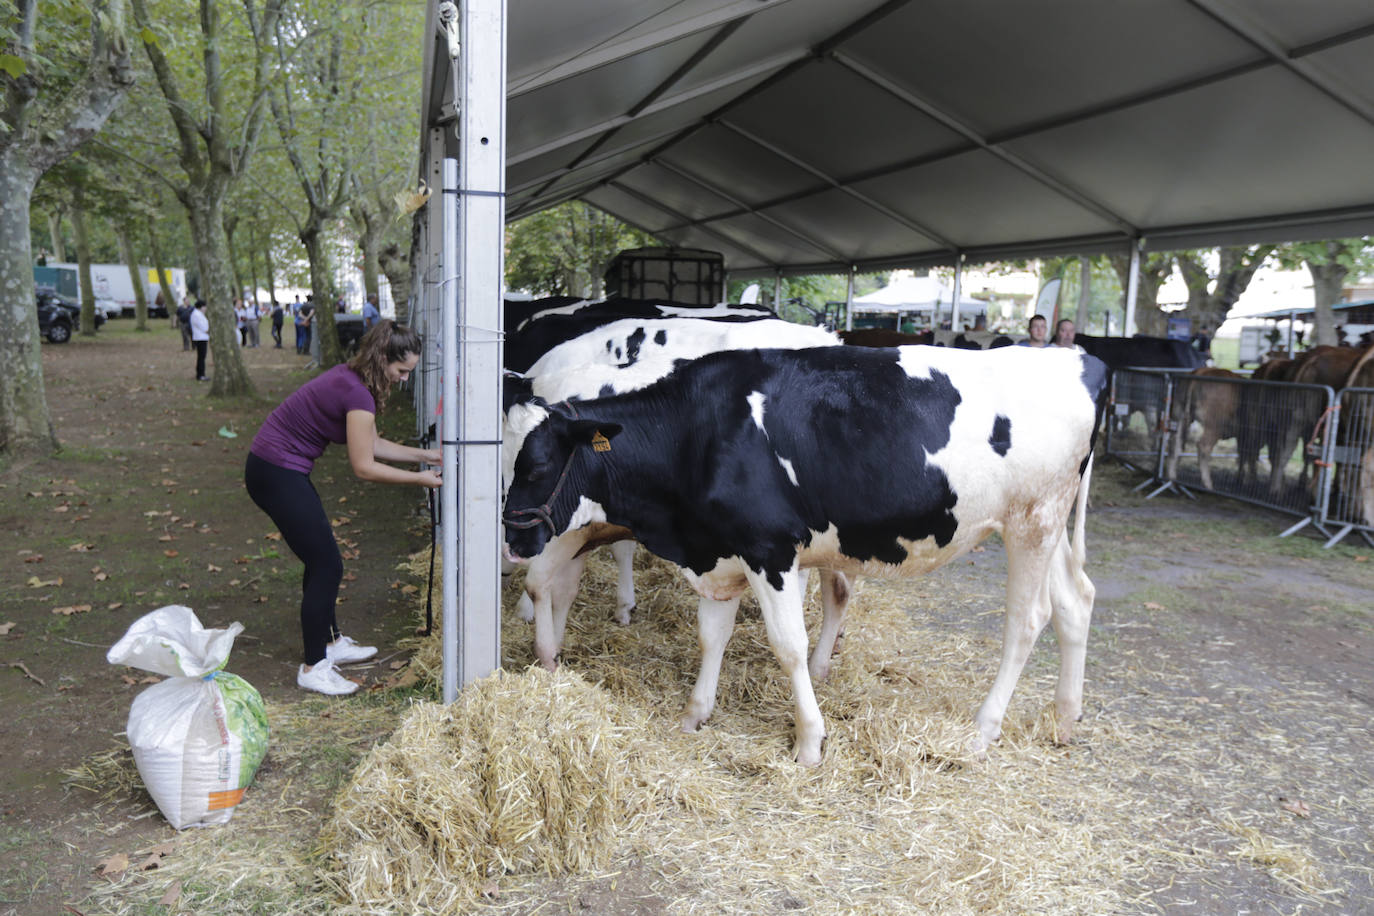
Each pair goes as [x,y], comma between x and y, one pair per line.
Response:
[1299,449]
[1347,499]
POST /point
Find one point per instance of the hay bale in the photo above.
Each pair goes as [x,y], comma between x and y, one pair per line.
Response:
[527,772]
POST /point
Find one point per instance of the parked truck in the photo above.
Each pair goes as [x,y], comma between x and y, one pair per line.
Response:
[113,283]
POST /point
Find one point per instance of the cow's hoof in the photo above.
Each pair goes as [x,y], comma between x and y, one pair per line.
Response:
[550,662]
[692,722]
[622,615]
[808,755]
[820,670]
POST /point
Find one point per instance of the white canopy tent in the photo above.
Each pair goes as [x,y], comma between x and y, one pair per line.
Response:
[805,136]
[921,295]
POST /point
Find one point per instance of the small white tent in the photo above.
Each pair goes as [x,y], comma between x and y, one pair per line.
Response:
[926,295]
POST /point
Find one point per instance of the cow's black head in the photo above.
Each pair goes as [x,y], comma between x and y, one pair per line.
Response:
[547,482]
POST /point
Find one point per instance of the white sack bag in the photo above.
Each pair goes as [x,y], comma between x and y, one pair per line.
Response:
[199,736]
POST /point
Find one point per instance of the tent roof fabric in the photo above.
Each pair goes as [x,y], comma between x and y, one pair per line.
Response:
[809,136]
[918,294]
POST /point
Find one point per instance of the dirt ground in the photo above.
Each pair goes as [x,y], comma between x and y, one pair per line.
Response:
[145,507]
[1207,631]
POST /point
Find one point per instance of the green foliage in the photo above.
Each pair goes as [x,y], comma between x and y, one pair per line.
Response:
[566,250]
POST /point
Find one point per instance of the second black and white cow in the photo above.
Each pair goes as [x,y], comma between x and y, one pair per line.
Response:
[743,467]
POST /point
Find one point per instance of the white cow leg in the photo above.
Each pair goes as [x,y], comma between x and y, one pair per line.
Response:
[1071,600]
[624,553]
[834,602]
[715,625]
[1028,610]
[565,585]
[786,627]
[541,585]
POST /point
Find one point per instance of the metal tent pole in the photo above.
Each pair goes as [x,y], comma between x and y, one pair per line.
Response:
[1132,290]
[958,282]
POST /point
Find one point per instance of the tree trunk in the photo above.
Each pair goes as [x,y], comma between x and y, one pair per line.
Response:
[59,248]
[369,241]
[1154,267]
[271,270]
[235,277]
[126,251]
[322,325]
[163,276]
[25,424]
[230,377]
[1085,292]
[1327,281]
[253,268]
[396,265]
[83,266]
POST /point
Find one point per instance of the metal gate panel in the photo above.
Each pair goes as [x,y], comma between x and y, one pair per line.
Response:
[1139,402]
[1259,442]
[1347,502]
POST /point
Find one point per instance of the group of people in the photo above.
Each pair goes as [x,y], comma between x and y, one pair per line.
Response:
[195,332]
[1038,333]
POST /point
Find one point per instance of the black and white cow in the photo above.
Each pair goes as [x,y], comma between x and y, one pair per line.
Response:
[621,357]
[745,466]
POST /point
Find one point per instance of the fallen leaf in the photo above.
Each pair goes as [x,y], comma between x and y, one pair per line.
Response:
[261,599]
[35,582]
[150,679]
[35,558]
[1361,558]
[399,664]
[82,548]
[6,627]
[170,553]
[273,536]
[349,577]
[235,582]
[211,567]
[1296,805]
[153,861]
[184,586]
[1152,606]
[71,609]
[114,865]
[114,605]
[173,894]
[61,508]
[101,576]
[165,537]
[166,482]
[410,589]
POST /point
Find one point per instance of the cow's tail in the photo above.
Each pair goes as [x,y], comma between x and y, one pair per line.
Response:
[1080,514]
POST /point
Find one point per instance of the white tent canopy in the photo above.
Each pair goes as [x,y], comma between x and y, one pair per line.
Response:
[916,294]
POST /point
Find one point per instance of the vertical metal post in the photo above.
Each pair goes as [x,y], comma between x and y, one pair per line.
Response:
[1132,290]
[849,300]
[450,493]
[958,281]
[777,291]
[481,186]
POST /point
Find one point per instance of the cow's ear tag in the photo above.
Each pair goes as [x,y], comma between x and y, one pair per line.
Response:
[600,443]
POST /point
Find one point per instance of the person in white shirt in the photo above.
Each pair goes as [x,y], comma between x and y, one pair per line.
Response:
[200,338]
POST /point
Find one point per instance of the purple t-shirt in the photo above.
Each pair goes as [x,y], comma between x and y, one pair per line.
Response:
[297,432]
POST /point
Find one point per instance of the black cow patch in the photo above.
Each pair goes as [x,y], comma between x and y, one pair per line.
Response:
[661,338]
[632,345]
[1000,440]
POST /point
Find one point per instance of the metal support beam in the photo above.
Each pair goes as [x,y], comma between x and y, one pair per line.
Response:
[474,191]
[1132,290]
[954,306]
[849,299]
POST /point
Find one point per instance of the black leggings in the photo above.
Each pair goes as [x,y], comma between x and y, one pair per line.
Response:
[289,499]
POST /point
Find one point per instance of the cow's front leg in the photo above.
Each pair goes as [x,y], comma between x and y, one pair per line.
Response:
[566,581]
[786,627]
[834,601]
[541,583]
[1028,610]
[624,553]
[715,624]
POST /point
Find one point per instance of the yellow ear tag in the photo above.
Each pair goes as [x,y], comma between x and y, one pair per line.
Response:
[600,443]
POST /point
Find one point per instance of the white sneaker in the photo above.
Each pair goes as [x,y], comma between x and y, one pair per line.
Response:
[344,650]
[325,678]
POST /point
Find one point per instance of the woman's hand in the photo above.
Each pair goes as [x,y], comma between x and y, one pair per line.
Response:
[429,479]
[432,456]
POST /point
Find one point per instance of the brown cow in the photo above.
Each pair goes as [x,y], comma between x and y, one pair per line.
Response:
[1214,405]
[1319,366]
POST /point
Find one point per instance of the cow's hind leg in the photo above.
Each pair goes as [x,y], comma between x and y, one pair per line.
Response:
[1071,602]
[1028,610]
[624,553]
[715,624]
[786,627]
[834,602]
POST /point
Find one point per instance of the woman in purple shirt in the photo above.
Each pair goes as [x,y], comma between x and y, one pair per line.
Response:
[339,405]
